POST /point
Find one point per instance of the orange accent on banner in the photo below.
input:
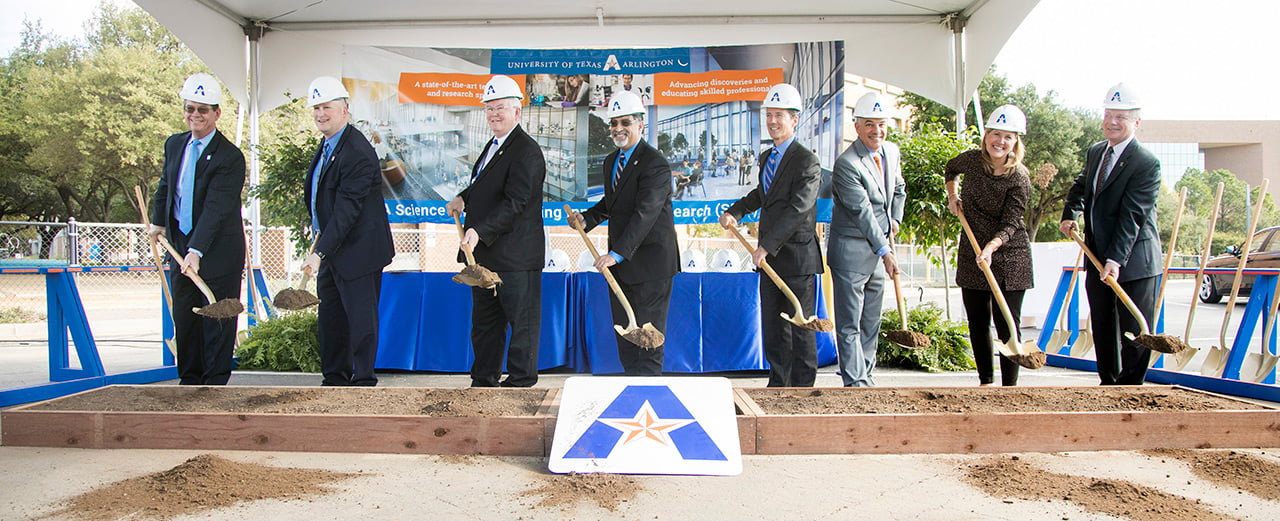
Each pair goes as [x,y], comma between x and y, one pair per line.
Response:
[677,88]
[447,88]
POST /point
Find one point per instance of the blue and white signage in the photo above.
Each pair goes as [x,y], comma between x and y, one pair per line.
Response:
[589,61]
[647,425]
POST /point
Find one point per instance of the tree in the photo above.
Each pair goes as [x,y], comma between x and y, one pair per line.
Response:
[664,144]
[1233,220]
[680,142]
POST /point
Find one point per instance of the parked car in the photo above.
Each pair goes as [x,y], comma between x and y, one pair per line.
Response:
[1264,253]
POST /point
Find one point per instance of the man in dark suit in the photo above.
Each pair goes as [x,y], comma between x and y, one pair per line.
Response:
[1116,193]
[504,229]
[344,195]
[642,254]
[787,197]
[197,208]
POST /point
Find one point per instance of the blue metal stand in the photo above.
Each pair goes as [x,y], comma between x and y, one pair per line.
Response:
[260,304]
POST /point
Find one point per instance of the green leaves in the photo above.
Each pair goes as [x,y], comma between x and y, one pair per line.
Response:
[285,343]
[950,350]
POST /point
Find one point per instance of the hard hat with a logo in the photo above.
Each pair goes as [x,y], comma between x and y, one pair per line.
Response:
[325,89]
[1122,97]
[783,96]
[501,87]
[871,106]
[624,103]
[202,88]
[1008,118]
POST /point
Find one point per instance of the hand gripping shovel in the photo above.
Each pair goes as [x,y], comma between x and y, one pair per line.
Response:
[1181,360]
[812,323]
[1024,354]
[295,299]
[645,336]
[155,257]
[1160,343]
[1168,259]
[474,274]
[225,308]
[1216,361]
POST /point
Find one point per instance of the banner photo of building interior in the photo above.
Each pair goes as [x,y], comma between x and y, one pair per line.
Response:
[420,108]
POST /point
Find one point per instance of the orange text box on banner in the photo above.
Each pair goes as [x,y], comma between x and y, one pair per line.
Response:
[674,88]
[446,88]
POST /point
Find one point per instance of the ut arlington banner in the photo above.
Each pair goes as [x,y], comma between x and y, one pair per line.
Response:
[420,108]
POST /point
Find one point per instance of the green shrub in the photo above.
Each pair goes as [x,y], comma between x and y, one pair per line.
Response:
[17,315]
[950,350]
[285,343]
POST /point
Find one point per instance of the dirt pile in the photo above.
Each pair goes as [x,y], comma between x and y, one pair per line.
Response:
[1230,469]
[987,400]
[608,491]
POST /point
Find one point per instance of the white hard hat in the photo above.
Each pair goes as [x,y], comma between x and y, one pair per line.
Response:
[500,87]
[1008,118]
[724,261]
[625,103]
[202,88]
[557,261]
[783,96]
[1122,97]
[693,261]
[870,106]
[324,89]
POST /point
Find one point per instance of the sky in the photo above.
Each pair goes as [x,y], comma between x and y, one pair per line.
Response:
[1188,59]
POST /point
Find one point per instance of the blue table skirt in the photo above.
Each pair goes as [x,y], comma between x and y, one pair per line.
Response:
[713,324]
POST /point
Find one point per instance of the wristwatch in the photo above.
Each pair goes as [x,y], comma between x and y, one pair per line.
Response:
[320,254]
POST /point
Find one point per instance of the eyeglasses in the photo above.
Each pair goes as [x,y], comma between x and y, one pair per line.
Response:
[500,108]
[192,108]
[621,122]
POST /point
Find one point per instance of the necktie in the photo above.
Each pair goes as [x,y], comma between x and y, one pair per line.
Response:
[493,149]
[315,186]
[888,196]
[770,167]
[1102,170]
[617,168]
[186,188]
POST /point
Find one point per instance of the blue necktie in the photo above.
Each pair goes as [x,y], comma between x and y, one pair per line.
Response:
[769,168]
[493,149]
[617,168]
[315,187]
[186,188]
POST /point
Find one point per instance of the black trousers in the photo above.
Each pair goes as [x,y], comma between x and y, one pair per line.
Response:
[791,350]
[348,327]
[517,305]
[650,301]
[205,345]
[1120,362]
[980,305]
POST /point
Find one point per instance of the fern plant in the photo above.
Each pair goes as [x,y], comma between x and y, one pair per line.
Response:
[950,350]
[285,343]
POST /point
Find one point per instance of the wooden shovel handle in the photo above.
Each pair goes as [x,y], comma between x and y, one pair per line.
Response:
[991,280]
[191,274]
[1244,258]
[1071,287]
[773,275]
[155,257]
[1115,286]
[306,270]
[462,237]
[1168,257]
[1204,257]
[608,275]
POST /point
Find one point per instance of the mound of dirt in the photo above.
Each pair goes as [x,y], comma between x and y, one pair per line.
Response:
[606,490]
[1231,469]
[205,482]
[987,400]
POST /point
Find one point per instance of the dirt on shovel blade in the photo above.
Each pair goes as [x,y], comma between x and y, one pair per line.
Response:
[1161,343]
[225,308]
[478,276]
[823,325]
[909,339]
[647,337]
[1033,360]
[295,299]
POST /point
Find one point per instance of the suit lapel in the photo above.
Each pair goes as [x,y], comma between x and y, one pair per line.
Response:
[1118,169]
[869,169]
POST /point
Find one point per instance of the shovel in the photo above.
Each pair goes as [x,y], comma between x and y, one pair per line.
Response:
[1168,258]
[1027,354]
[1181,360]
[1216,361]
[645,336]
[1061,334]
[155,257]
[474,274]
[812,323]
[1160,343]
[295,299]
[1084,341]
[225,308]
[1257,366]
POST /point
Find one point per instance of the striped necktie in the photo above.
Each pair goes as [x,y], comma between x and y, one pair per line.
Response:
[617,168]
[1102,170]
[770,167]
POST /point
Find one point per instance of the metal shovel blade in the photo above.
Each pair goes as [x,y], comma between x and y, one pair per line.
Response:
[646,336]
[1214,362]
[1181,360]
[813,323]
[1083,344]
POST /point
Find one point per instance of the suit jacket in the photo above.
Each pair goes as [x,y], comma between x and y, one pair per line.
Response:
[504,205]
[355,238]
[788,212]
[862,204]
[641,224]
[217,230]
[1120,219]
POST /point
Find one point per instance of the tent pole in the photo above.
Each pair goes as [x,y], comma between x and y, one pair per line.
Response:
[957,23]
[255,205]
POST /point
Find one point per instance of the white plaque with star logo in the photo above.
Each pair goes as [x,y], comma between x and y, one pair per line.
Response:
[647,425]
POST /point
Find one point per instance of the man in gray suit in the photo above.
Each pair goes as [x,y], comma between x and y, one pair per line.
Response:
[867,192]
